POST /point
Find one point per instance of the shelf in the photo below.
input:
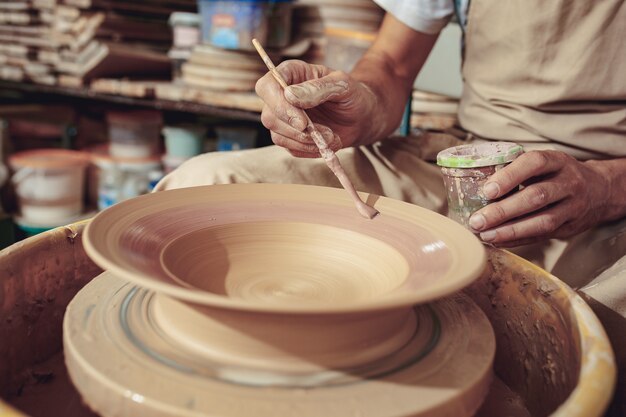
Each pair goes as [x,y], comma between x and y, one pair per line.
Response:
[34,91]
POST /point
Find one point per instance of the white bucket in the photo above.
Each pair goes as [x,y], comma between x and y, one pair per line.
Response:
[134,134]
[49,184]
[118,179]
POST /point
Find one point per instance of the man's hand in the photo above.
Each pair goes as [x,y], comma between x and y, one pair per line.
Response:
[336,103]
[561,197]
[353,109]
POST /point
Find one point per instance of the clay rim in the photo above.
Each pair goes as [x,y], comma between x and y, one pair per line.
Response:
[469,257]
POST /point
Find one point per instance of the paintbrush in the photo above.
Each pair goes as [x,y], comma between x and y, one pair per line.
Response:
[329,156]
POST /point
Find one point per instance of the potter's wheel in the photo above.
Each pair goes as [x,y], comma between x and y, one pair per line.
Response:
[124,362]
[278,300]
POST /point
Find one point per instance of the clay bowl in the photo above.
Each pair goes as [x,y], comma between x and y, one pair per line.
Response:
[284,278]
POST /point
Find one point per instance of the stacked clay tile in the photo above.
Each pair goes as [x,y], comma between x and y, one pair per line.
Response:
[69,41]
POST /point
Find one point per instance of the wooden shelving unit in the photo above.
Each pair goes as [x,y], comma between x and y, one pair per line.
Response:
[36,93]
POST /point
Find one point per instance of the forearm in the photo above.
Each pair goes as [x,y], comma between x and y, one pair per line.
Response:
[389,69]
[614,171]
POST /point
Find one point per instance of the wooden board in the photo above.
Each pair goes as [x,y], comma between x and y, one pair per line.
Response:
[432,121]
[218,84]
[127,88]
[17,18]
[14,50]
[22,30]
[11,73]
[419,95]
[14,6]
[70,81]
[214,57]
[245,76]
[86,62]
[444,107]
[241,101]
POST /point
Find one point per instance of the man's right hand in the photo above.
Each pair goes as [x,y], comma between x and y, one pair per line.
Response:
[348,109]
[337,104]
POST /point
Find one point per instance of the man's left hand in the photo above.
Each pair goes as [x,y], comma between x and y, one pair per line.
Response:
[561,197]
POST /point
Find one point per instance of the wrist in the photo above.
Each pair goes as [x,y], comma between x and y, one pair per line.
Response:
[384,94]
[373,125]
[613,195]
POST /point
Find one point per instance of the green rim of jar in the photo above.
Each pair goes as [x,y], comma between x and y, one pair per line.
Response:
[477,155]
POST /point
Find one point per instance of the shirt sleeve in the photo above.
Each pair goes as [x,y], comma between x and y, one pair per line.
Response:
[427,16]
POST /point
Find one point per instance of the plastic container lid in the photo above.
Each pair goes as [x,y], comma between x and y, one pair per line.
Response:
[184,18]
[49,158]
[479,155]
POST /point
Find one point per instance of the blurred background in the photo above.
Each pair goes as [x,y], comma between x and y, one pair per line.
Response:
[101,98]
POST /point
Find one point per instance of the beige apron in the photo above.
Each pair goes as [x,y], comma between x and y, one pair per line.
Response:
[552,74]
[547,73]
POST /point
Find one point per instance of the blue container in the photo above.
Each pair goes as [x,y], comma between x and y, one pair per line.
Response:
[235,138]
[233,24]
[184,141]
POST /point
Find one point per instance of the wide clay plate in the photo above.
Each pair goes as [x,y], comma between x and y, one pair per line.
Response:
[283,248]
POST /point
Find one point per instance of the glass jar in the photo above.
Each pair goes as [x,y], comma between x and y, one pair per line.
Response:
[466,169]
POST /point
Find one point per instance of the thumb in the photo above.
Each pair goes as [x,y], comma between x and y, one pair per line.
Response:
[334,86]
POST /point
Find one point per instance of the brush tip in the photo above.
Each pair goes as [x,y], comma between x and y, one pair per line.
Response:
[366,211]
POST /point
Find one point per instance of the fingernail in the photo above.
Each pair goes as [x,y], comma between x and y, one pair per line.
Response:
[477,221]
[491,190]
[488,236]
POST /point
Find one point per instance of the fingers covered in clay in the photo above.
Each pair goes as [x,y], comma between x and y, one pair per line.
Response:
[561,197]
[331,98]
[295,71]
[280,126]
[309,94]
[303,146]
[332,140]
[277,106]
[529,165]
[311,85]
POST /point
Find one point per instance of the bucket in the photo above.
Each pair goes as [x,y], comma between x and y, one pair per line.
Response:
[28,229]
[184,141]
[118,179]
[235,138]
[49,184]
[134,134]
